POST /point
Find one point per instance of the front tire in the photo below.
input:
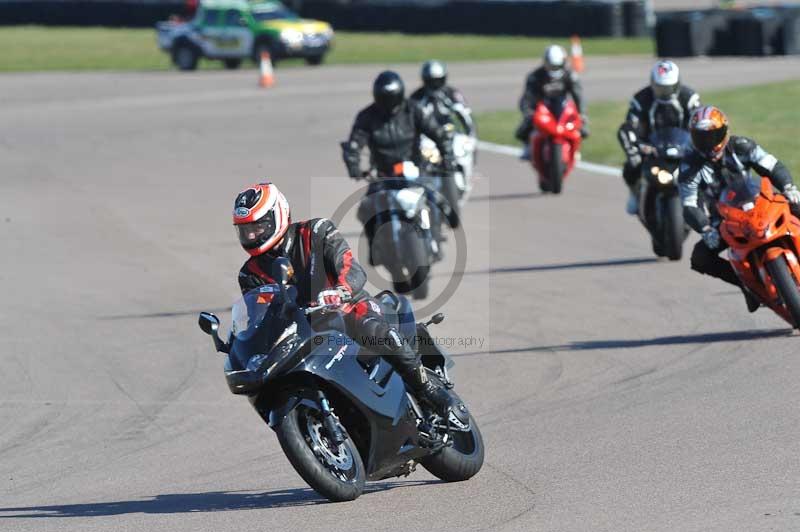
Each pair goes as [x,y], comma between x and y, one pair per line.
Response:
[673,230]
[335,473]
[787,287]
[315,60]
[185,56]
[417,265]
[556,169]
[451,195]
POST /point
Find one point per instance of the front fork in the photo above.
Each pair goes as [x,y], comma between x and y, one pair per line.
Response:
[329,421]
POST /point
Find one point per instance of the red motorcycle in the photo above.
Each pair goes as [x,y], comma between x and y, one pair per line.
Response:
[557,139]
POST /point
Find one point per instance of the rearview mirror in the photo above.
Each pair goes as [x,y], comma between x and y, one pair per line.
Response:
[436,319]
[281,270]
[208,323]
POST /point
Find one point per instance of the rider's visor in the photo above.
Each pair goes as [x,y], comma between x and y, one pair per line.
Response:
[254,234]
[664,92]
[709,141]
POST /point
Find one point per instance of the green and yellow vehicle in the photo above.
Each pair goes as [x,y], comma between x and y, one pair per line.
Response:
[234,30]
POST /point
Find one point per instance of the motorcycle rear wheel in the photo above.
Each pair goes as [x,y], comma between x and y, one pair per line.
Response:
[787,287]
[336,474]
[463,459]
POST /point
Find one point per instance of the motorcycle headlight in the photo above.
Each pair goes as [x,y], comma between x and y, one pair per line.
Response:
[664,177]
[409,199]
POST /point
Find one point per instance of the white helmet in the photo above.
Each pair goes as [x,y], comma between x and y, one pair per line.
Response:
[665,80]
[555,59]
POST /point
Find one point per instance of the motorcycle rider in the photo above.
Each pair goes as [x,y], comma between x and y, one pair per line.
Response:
[325,272]
[443,101]
[715,159]
[552,80]
[665,102]
[391,127]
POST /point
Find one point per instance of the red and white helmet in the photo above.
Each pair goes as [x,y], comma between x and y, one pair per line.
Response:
[261,216]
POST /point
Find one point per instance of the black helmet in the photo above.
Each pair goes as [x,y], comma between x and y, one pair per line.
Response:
[388,91]
[434,74]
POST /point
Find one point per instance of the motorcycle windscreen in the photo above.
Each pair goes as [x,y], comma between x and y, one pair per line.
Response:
[670,142]
[741,192]
[257,323]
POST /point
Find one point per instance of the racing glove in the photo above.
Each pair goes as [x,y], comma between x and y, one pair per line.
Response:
[711,238]
[792,194]
[333,297]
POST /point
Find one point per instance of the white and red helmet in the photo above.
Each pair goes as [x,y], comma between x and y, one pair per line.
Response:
[261,217]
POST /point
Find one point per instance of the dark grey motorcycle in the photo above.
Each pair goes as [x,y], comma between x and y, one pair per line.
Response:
[341,414]
[660,207]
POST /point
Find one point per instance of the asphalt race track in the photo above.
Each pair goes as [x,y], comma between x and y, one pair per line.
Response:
[615,393]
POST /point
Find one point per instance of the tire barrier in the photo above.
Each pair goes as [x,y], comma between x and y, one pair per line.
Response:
[753,32]
[558,18]
[527,17]
[119,13]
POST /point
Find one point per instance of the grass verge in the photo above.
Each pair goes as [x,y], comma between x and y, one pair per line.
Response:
[770,114]
[39,48]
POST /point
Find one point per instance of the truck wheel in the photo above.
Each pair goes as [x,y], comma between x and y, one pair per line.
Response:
[232,64]
[315,60]
[185,56]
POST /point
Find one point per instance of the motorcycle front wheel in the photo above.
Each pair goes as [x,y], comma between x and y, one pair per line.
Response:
[673,228]
[787,287]
[335,472]
[556,169]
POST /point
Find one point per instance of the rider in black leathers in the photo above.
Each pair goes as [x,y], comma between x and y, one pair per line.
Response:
[443,101]
[390,128]
[717,158]
[325,271]
[662,104]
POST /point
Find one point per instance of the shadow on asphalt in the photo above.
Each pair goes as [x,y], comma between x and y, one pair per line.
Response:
[591,345]
[172,314]
[506,197]
[214,501]
[557,267]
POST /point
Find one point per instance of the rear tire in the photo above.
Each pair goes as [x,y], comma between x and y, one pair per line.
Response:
[463,459]
[232,64]
[673,230]
[298,434]
[556,169]
[315,60]
[787,287]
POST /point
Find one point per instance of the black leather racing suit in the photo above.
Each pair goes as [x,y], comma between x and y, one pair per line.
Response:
[542,85]
[701,182]
[393,138]
[446,104]
[645,115]
[322,259]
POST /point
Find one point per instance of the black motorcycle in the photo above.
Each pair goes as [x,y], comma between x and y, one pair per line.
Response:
[341,414]
[660,207]
[403,229]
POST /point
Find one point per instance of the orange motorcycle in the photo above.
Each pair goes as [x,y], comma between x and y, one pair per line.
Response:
[764,239]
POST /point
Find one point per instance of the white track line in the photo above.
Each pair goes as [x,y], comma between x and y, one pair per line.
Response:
[513,151]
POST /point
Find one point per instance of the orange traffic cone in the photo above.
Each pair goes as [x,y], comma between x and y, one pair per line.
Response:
[576,51]
[267,77]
